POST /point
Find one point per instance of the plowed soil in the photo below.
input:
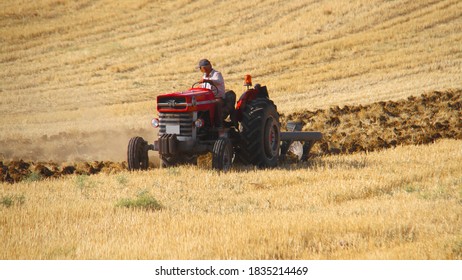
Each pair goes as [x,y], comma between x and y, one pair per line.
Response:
[348,129]
[16,171]
[381,125]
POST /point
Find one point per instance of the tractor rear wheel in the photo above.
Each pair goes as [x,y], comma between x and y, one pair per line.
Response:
[222,158]
[137,154]
[260,134]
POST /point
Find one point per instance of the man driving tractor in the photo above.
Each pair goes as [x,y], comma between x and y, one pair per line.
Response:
[213,77]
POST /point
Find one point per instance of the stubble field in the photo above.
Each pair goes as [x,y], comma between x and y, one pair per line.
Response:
[385,205]
[381,79]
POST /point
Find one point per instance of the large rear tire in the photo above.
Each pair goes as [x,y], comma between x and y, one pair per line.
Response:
[137,154]
[260,134]
[223,153]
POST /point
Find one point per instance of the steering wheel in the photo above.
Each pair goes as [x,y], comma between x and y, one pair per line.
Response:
[213,87]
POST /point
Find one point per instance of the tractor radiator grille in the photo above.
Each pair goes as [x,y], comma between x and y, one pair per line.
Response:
[180,124]
[171,102]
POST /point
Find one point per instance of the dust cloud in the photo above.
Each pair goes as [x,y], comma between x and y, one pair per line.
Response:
[73,146]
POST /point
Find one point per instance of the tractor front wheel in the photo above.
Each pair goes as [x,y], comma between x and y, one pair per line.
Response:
[222,158]
[137,154]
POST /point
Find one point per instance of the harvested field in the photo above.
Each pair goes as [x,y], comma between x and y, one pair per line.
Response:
[389,204]
[349,129]
[381,79]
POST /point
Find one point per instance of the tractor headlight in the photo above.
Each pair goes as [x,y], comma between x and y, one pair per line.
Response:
[155,122]
[199,123]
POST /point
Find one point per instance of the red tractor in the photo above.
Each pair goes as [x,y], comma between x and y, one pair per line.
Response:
[186,122]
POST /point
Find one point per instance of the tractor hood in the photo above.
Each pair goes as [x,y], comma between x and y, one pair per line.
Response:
[194,99]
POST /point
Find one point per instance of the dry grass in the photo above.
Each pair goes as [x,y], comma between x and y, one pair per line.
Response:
[384,205]
[64,64]
[80,67]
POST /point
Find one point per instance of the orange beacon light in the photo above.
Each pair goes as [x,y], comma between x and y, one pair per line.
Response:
[248,81]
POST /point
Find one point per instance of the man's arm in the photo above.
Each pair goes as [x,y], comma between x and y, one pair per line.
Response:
[216,79]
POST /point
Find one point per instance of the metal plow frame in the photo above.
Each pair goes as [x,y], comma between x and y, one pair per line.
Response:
[293,134]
